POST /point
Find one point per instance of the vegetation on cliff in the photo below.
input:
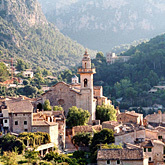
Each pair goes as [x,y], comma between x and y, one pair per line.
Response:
[25,33]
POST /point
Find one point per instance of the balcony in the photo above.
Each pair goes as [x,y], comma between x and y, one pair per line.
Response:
[86,70]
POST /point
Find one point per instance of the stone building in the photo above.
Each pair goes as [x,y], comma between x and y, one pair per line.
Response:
[86,129]
[154,149]
[83,95]
[114,125]
[156,119]
[121,156]
[52,122]
[49,127]
[130,117]
[17,115]
[135,136]
[161,133]
[111,58]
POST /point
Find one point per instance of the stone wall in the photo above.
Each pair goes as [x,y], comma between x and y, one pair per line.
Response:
[61,94]
[156,118]
[125,118]
[124,162]
[51,130]
[158,152]
[20,118]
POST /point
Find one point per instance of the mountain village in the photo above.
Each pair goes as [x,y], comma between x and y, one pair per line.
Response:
[142,139]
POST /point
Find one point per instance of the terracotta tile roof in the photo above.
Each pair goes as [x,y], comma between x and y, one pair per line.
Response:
[19,106]
[97,127]
[97,87]
[43,123]
[147,143]
[120,154]
[113,123]
[86,128]
[133,113]
[158,142]
[160,129]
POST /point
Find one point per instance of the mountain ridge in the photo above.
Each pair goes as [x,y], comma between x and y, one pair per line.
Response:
[25,33]
[106,23]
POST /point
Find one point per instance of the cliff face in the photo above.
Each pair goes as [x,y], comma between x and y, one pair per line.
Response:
[23,12]
[25,33]
[102,24]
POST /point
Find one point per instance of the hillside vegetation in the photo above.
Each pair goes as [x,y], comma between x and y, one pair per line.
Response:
[25,33]
[132,80]
[103,24]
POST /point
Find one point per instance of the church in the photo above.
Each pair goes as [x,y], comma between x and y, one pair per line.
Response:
[83,95]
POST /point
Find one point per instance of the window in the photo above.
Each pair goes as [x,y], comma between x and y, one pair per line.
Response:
[16,122]
[118,162]
[159,137]
[149,149]
[149,159]
[25,122]
[85,82]
[5,121]
[25,130]
[108,162]
[144,149]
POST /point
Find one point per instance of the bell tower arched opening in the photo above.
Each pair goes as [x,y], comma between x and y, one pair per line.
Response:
[85,65]
[85,82]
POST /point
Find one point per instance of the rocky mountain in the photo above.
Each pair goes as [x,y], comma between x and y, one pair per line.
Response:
[25,33]
[103,24]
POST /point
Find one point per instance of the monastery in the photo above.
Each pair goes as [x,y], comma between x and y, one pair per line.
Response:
[83,95]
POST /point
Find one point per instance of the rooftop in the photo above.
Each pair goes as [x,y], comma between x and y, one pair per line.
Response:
[120,154]
[19,106]
[43,123]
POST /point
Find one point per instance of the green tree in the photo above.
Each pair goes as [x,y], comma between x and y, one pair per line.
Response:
[82,139]
[60,158]
[26,82]
[111,146]
[21,65]
[9,158]
[29,90]
[47,106]
[153,78]
[57,108]
[99,55]
[102,137]
[77,116]
[106,113]
[31,156]
[10,143]
[4,74]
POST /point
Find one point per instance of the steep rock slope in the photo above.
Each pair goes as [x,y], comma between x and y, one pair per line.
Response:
[103,24]
[25,33]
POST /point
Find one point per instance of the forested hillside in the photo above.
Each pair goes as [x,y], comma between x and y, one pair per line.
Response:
[132,80]
[103,24]
[25,33]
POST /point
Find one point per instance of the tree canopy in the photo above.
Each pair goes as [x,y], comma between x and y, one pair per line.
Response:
[82,139]
[47,106]
[3,72]
[77,116]
[106,113]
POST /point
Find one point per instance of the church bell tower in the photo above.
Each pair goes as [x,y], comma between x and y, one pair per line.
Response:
[86,77]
